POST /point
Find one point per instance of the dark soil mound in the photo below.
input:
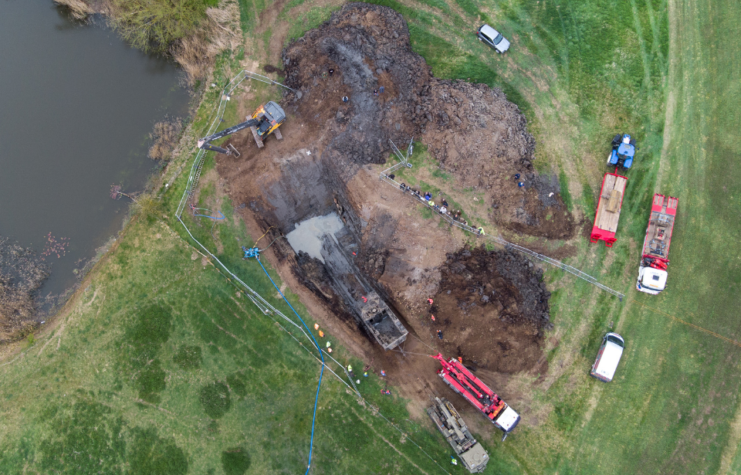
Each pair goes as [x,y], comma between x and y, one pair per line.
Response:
[368,47]
[491,307]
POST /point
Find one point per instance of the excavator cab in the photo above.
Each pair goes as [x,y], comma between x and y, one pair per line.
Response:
[271,117]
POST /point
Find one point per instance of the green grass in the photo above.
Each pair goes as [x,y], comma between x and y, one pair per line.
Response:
[162,367]
[165,367]
[307,21]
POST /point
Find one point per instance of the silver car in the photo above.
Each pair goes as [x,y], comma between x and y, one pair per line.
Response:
[493,38]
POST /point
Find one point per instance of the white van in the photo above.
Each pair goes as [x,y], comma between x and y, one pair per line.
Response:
[608,357]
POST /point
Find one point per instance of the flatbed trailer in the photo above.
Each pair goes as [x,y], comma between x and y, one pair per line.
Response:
[608,209]
[652,273]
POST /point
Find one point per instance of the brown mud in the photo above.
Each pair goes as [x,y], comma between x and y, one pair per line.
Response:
[491,308]
[495,319]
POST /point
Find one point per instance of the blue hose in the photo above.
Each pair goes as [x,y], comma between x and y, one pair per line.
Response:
[316,400]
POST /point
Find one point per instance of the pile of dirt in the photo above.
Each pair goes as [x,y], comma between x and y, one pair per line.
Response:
[491,308]
[538,209]
[470,129]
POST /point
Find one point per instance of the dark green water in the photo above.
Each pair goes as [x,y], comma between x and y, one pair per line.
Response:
[76,107]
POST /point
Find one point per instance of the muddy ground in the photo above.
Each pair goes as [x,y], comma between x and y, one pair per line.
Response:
[494,318]
[491,308]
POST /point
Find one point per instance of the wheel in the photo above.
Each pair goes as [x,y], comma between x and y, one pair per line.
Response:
[616,140]
[633,141]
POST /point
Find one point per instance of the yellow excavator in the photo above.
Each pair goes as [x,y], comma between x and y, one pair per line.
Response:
[264,121]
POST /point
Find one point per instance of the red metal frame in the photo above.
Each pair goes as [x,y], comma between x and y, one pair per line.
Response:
[462,381]
[657,206]
[599,234]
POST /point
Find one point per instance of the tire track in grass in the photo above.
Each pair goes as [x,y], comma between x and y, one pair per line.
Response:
[403,455]
[655,33]
[731,449]
[644,54]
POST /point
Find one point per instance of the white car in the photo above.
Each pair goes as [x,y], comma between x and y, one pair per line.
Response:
[493,38]
[608,357]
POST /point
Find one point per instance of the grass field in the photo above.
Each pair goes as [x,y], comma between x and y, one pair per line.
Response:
[161,367]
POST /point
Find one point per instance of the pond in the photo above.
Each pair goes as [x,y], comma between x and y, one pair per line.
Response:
[78,106]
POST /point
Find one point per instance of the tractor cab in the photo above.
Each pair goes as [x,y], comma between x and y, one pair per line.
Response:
[623,151]
[651,280]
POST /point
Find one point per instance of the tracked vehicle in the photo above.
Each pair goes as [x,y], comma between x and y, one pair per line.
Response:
[451,426]
[264,121]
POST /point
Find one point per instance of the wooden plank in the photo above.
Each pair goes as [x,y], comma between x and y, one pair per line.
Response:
[608,214]
[608,186]
[614,202]
[620,184]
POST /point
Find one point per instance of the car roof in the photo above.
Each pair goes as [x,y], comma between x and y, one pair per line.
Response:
[489,31]
[609,362]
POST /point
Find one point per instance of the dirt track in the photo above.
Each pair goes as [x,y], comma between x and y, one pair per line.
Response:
[323,166]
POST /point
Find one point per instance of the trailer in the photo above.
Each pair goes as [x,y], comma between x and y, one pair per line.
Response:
[451,426]
[608,209]
[652,273]
[461,380]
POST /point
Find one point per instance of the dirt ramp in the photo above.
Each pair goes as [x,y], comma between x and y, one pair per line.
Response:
[491,307]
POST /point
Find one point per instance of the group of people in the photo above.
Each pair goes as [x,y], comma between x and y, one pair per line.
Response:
[442,208]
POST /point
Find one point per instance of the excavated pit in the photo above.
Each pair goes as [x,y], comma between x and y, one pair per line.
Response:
[322,166]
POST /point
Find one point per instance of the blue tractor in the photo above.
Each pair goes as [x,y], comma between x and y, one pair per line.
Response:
[623,151]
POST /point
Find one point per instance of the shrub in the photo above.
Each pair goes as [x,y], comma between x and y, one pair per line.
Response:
[153,25]
[215,399]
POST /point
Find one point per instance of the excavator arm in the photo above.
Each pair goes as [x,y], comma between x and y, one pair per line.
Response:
[205,142]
